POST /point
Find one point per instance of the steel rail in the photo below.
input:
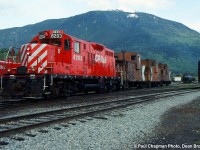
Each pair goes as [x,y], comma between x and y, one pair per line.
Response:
[68,114]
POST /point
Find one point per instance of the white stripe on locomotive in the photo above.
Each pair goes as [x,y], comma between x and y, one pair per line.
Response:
[23,49]
[37,51]
[41,68]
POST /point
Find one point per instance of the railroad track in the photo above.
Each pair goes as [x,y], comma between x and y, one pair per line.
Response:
[11,103]
[13,125]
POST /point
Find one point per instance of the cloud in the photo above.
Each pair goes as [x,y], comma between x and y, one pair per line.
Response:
[23,12]
[128,5]
[152,4]
[100,4]
[194,25]
[37,8]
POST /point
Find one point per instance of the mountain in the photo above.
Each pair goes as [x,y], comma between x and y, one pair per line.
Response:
[155,38]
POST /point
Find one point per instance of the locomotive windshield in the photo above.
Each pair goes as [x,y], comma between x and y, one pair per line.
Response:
[51,42]
[52,37]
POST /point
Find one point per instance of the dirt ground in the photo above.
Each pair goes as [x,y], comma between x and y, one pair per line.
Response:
[179,129]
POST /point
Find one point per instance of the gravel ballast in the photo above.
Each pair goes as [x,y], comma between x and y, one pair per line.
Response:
[115,130]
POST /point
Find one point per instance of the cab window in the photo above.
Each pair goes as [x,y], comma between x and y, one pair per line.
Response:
[57,43]
[76,47]
[67,44]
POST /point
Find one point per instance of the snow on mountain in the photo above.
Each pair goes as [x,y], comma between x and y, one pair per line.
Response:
[132,16]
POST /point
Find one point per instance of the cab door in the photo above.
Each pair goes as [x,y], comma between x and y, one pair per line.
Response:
[67,52]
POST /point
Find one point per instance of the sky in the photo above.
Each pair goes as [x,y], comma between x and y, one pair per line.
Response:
[17,13]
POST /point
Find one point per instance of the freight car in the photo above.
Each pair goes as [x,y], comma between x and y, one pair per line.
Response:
[128,68]
[152,72]
[165,74]
[187,78]
[135,72]
[55,64]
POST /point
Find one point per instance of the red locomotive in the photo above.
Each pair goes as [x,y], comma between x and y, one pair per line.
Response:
[2,71]
[56,64]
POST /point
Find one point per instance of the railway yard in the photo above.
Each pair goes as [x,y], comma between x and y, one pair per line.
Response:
[133,119]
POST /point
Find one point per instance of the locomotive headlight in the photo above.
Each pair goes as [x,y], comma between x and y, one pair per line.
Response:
[33,68]
[28,49]
[9,69]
